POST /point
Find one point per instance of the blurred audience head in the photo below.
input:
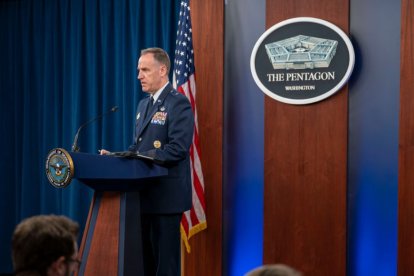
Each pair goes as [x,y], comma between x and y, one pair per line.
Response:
[274,270]
[45,245]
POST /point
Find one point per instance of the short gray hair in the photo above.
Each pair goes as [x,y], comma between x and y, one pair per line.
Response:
[159,55]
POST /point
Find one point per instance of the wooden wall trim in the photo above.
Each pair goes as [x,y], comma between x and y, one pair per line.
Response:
[107,232]
[208,38]
[406,143]
[306,165]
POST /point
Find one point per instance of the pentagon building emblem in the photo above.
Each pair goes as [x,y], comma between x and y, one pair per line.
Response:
[302,60]
[301,52]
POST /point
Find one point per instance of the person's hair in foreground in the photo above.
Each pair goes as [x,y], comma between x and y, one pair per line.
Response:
[45,245]
[274,270]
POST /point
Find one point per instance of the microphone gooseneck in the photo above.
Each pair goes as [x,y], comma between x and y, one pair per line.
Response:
[75,147]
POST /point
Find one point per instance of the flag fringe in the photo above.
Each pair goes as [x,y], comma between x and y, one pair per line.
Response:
[194,230]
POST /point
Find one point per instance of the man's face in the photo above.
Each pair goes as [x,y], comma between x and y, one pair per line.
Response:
[73,264]
[151,73]
[64,266]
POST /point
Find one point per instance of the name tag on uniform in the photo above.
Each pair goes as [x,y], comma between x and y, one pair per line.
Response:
[159,118]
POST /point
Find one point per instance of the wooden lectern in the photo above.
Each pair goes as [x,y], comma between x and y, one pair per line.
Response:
[111,243]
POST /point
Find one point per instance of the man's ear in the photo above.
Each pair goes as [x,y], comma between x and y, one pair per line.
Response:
[58,267]
[163,70]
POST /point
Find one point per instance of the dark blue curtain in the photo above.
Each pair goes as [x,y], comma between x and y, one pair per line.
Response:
[63,62]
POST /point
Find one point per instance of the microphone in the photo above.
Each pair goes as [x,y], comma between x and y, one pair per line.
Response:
[75,147]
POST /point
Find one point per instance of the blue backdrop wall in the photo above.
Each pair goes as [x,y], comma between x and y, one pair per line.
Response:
[373,138]
[64,62]
[244,138]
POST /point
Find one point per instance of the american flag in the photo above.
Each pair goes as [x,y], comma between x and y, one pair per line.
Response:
[194,220]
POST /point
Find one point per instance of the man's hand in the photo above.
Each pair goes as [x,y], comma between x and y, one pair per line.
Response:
[103,152]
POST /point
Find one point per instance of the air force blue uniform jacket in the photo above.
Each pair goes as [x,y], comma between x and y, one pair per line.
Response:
[166,134]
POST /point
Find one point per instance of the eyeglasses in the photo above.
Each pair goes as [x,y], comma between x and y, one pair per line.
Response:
[78,262]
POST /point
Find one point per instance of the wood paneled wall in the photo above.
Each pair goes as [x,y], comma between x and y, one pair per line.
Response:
[208,35]
[306,165]
[406,147]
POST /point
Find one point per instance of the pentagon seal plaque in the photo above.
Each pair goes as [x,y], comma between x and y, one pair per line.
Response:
[59,168]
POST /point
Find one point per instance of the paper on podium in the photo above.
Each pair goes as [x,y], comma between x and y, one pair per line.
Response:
[129,154]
